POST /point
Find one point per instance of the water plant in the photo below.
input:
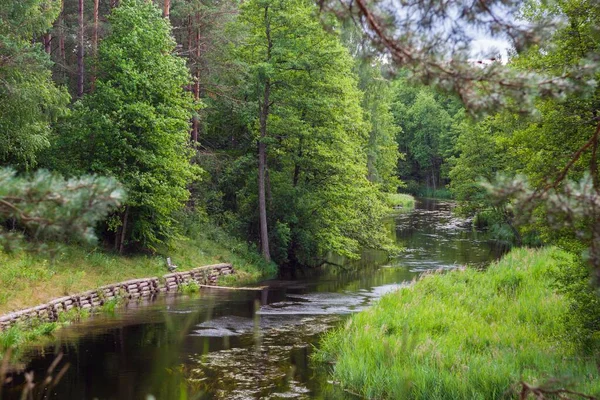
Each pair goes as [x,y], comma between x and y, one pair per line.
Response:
[189,287]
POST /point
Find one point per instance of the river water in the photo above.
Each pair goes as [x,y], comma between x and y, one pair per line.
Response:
[246,344]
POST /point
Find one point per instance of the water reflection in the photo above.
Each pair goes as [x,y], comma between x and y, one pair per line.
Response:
[247,345]
[435,238]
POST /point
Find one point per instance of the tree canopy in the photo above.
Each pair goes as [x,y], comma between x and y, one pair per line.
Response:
[135,123]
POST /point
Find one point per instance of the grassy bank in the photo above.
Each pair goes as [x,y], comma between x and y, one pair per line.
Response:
[400,201]
[464,335]
[27,280]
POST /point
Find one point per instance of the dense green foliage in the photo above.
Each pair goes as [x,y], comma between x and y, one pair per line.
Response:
[134,125]
[465,335]
[29,99]
[277,124]
[319,198]
[325,121]
[428,137]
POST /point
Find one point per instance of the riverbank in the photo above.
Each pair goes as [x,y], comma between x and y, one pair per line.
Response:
[27,280]
[464,334]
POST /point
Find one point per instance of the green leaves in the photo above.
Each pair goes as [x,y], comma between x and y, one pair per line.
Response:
[428,136]
[320,199]
[29,99]
[134,126]
[24,19]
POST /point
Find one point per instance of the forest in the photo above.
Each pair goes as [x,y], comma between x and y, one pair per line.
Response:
[279,135]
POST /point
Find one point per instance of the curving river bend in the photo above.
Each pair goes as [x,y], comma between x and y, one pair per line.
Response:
[246,345]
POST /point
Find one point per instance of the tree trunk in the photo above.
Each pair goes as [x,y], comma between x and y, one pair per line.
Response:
[196,89]
[508,220]
[61,36]
[123,230]
[95,42]
[80,52]
[262,203]
[262,151]
[167,8]
[48,43]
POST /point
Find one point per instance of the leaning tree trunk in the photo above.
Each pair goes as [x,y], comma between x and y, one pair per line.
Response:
[80,52]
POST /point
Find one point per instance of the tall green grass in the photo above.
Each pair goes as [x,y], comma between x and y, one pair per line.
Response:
[464,335]
[400,201]
[431,193]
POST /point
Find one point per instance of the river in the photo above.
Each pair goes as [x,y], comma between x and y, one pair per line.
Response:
[246,345]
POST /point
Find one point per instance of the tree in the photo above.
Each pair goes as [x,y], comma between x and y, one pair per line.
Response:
[382,146]
[81,50]
[428,120]
[202,38]
[29,100]
[304,107]
[134,126]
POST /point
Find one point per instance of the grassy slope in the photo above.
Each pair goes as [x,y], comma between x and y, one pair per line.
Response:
[29,280]
[463,335]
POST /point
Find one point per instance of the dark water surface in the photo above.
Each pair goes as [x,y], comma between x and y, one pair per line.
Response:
[246,345]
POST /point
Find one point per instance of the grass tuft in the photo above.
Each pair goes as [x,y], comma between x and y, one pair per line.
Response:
[189,287]
[400,201]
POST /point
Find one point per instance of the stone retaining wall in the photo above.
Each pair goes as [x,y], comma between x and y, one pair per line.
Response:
[132,289]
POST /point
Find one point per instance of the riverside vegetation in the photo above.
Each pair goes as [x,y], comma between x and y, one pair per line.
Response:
[275,134]
[467,334]
[33,279]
